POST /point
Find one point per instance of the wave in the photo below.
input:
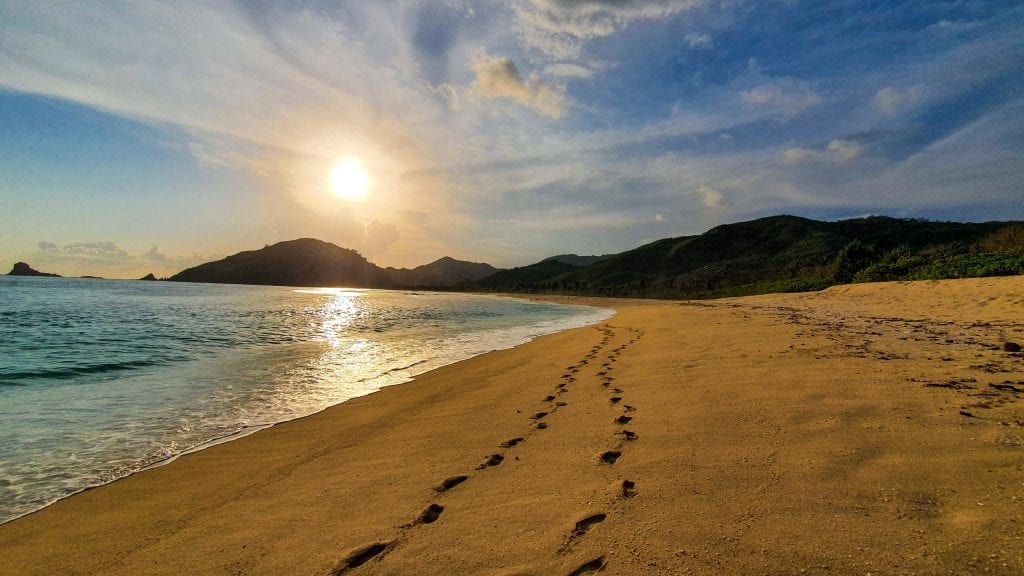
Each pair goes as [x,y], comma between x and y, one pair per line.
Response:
[18,378]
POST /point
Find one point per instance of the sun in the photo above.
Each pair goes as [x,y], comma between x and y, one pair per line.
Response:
[348,180]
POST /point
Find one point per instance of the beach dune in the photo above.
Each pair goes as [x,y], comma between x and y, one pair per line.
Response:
[874,428]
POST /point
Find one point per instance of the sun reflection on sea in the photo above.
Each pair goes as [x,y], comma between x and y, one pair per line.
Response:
[338,315]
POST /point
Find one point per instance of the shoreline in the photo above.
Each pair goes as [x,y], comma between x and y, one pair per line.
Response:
[821,432]
[249,430]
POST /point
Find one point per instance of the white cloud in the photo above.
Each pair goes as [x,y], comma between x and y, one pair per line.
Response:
[451,96]
[799,155]
[837,151]
[257,92]
[595,18]
[891,101]
[844,151]
[498,77]
[378,238]
[558,28]
[702,41]
[108,259]
[784,96]
[711,198]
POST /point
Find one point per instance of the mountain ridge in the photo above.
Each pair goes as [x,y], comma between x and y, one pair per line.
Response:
[771,254]
[791,253]
[312,262]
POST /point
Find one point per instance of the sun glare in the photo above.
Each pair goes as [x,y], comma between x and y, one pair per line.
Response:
[348,180]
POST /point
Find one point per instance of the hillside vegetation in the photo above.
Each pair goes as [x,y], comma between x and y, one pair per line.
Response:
[775,254]
[784,254]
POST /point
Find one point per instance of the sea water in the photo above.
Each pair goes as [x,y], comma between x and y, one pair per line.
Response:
[101,378]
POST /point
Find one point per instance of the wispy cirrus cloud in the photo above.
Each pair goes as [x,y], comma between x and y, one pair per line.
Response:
[837,151]
[555,112]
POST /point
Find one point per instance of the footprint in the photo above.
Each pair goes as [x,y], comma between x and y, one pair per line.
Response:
[362,555]
[510,443]
[585,524]
[623,419]
[628,408]
[542,426]
[592,567]
[615,399]
[430,515]
[561,404]
[538,415]
[451,482]
[492,460]
[548,398]
[617,390]
[628,435]
[610,456]
[628,488]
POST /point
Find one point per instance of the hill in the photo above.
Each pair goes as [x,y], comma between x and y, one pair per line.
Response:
[302,262]
[311,262]
[528,277]
[786,253]
[580,261]
[446,271]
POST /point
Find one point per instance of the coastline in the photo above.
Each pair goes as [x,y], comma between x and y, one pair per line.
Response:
[510,337]
[770,434]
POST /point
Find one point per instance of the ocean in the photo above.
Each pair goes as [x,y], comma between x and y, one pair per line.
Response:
[102,378]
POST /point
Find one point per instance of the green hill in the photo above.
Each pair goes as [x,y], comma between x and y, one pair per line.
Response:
[788,253]
[581,261]
[447,272]
[527,277]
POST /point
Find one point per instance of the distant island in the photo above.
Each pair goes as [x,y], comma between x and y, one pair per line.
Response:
[23,269]
[773,254]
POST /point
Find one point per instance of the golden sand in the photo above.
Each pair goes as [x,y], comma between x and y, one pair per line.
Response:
[865,429]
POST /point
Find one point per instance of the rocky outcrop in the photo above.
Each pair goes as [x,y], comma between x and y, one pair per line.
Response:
[23,269]
[148,277]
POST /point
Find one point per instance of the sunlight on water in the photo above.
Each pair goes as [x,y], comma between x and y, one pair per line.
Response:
[338,314]
[102,378]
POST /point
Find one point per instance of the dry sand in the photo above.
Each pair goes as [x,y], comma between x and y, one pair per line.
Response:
[866,429]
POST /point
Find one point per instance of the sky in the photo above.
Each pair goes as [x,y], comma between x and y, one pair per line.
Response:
[152,135]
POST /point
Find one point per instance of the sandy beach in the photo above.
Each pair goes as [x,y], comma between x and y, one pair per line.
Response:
[866,429]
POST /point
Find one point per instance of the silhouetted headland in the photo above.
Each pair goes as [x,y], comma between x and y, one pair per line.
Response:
[311,262]
[23,269]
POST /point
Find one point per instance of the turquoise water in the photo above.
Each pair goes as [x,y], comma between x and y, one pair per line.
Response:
[101,378]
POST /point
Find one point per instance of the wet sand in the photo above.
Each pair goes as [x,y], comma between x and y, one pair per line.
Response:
[865,429]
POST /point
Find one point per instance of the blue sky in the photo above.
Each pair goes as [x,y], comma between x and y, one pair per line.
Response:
[153,135]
